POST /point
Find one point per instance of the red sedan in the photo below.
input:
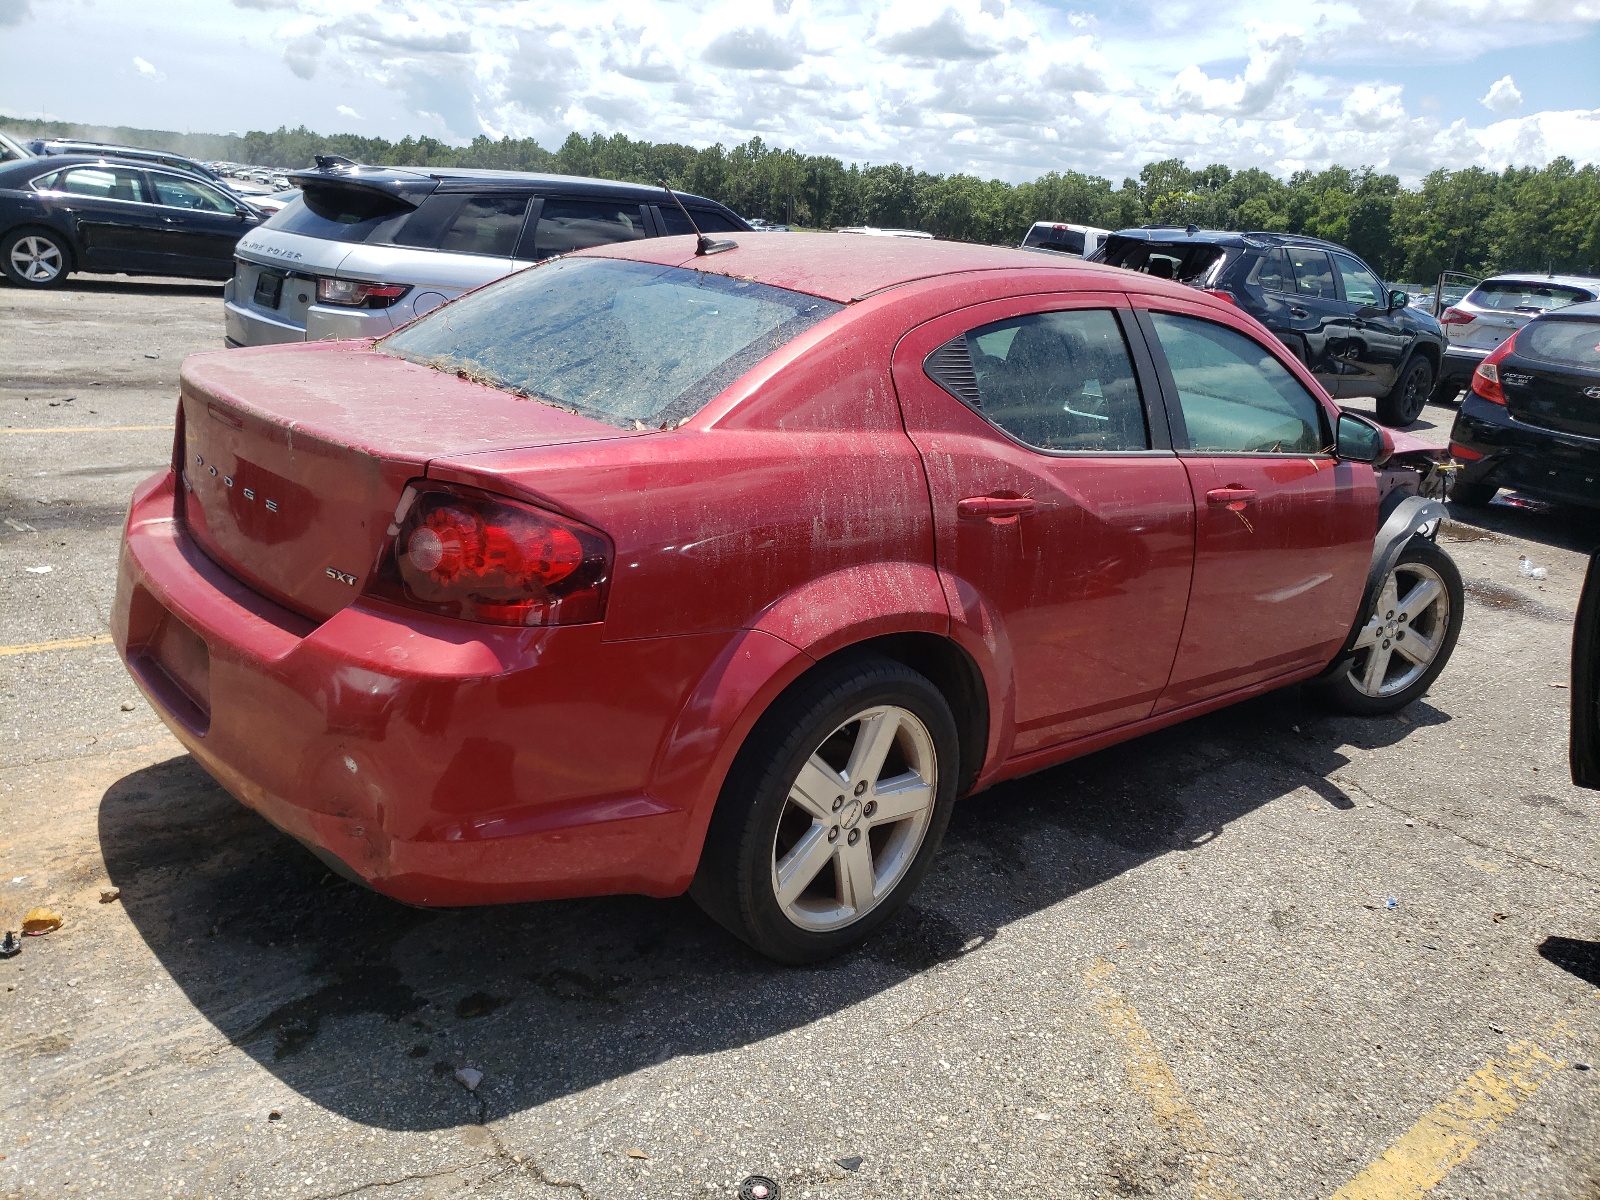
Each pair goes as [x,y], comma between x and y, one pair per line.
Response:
[648,570]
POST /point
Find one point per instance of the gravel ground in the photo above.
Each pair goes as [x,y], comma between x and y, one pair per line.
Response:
[1244,957]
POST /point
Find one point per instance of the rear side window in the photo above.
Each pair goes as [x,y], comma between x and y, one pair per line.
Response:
[1235,396]
[103,183]
[567,224]
[627,343]
[1272,272]
[1506,296]
[1569,343]
[487,225]
[708,221]
[1055,381]
[342,214]
[1313,273]
[1065,241]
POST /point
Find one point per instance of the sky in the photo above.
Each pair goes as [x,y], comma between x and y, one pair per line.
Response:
[998,88]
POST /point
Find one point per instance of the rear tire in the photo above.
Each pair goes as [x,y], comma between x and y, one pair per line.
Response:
[35,258]
[1421,602]
[1472,495]
[1404,403]
[832,812]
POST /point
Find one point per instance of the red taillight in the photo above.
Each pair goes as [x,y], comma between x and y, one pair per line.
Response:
[1463,453]
[1221,295]
[354,293]
[1456,316]
[1486,379]
[460,552]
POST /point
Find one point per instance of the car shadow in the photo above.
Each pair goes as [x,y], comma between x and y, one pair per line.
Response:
[368,1007]
[141,285]
[1510,514]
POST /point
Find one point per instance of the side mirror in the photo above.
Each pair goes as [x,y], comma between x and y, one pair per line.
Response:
[1399,299]
[1359,440]
[243,213]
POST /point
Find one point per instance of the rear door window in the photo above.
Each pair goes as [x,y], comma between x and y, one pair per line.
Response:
[1313,272]
[1272,272]
[467,224]
[1236,397]
[708,221]
[1361,286]
[1054,381]
[569,223]
[104,183]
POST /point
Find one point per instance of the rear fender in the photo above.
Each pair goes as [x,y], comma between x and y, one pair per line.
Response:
[1401,518]
[826,615]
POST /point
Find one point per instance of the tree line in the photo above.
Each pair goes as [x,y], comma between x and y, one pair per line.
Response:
[1475,220]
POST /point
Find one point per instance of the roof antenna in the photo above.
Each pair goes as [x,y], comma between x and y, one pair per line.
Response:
[703,245]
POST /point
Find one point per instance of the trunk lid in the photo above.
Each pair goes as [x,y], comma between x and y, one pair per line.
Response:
[294,457]
[1552,376]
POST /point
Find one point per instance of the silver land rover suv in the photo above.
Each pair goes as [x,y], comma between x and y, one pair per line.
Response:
[366,249]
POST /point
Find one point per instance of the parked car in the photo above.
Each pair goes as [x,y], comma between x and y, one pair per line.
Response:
[366,249]
[54,147]
[1357,335]
[1079,241]
[75,213]
[1494,310]
[273,201]
[645,570]
[11,150]
[1531,419]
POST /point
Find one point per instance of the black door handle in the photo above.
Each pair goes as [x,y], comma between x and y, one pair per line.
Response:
[1298,312]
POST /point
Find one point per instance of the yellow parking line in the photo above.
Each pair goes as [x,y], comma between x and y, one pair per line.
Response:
[1445,1137]
[77,643]
[1150,1076]
[90,429]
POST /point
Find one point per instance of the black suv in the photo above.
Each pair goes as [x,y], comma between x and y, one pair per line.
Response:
[1358,336]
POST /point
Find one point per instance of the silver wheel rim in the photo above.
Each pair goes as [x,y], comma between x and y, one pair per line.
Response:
[855,817]
[1403,636]
[36,259]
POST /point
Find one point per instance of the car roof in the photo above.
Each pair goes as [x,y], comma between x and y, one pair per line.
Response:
[46,164]
[409,177]
[1587,282]
[845,267]
[1254,239]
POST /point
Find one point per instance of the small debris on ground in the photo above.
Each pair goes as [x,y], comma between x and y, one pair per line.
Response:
[850,1163]
[40,921]
[39,570]
[759,1187]
[127,706]
[109,894]
[10,945]
[20,526]
[275,1115]
[1410,824]
[1391,902]
[1498,917]
[635,1152]
[469,1078]
[1525,567]
[152,356]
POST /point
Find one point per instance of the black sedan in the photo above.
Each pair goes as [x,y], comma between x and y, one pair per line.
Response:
[80,213]
[1531,420]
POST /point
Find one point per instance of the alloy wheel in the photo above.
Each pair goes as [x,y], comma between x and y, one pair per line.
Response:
[1405,632]
[855,818]
[36,259]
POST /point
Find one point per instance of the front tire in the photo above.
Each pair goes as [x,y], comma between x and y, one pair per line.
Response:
[35,258]
[1404,402]
[1408,638]
[832,812]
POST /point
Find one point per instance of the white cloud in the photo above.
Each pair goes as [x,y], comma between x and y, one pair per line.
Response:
[147,69]
[14,12]
[1502,97]
[344,110]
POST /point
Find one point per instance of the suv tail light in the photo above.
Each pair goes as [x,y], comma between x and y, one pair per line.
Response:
[1221,295]
[355,293]
[1486,379]
[1456,316]
[465,553]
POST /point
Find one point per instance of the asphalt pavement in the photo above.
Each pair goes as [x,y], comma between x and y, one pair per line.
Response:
[1274,952]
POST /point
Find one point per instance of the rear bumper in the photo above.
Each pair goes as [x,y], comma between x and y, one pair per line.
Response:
[1539,462]
[246,326]
[1459,363]
[439,762]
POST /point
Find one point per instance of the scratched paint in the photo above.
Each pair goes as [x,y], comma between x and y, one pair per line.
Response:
[1446,1137]
[1149,1075]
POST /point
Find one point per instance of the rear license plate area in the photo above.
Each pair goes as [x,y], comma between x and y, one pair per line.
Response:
[269,289]
[174,662]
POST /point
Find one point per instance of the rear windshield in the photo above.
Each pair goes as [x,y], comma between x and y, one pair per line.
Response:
[1571,343]
[1186,262]
[626,343]
[1066,241]
[1508,296]
[342,214]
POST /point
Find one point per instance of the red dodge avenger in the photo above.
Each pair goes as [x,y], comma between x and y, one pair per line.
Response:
[654,569]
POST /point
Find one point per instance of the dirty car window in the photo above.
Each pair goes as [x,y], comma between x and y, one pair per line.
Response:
[621,342]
